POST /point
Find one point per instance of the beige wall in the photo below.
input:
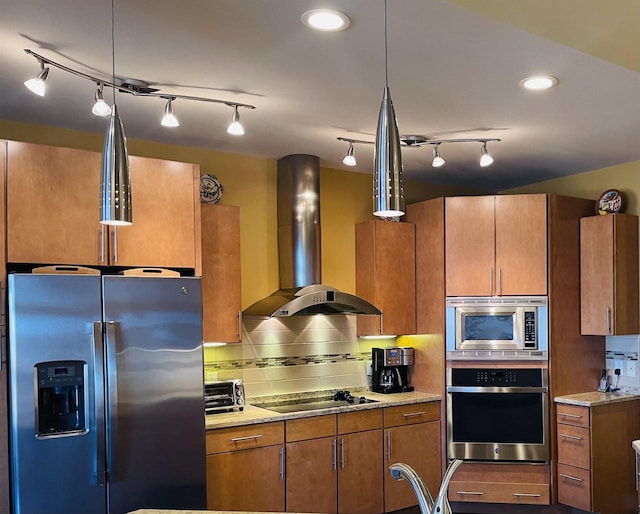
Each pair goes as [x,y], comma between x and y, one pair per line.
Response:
[250,182]
[625,177]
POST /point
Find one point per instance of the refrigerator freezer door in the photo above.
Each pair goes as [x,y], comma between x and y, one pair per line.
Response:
[155,405]
[57,457]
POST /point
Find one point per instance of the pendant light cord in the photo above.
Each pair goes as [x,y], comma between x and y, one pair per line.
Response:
[113,50]
[386,65]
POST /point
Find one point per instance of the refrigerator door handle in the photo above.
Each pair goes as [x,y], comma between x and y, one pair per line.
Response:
[112,397]
[98,475]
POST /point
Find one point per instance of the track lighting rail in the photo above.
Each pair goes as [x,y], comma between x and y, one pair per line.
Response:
[128,88]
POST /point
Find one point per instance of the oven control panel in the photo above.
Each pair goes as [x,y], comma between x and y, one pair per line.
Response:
[511,377]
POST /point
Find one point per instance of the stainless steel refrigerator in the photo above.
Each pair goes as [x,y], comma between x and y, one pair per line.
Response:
[106,394]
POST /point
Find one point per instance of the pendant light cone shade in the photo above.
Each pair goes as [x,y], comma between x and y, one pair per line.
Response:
[100,108]
[235,127]
[36,85]
[388,193]
[115,185]
[349,159]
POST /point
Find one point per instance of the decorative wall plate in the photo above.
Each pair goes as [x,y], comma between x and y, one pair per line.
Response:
[609,202]
[210,189]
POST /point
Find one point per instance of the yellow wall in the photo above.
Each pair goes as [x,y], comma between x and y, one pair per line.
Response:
[625,177]
[250,182]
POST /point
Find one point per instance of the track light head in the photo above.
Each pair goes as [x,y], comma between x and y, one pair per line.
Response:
[437,160]
[169,120]
[100,107]
[36,85]
[235,128]
[349,159]
[485,158]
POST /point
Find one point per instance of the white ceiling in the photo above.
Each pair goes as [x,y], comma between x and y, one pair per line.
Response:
[453,73]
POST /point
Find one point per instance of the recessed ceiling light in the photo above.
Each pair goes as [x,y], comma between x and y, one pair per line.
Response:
[326,20]
[538,82]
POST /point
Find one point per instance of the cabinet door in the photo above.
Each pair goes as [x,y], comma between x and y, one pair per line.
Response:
[418,446]
[360,473]
[221,288]
[163,233]
[469,246]
[385,276]
[312,476]
[521,244]
[246,480]
[53,205]
[609,275]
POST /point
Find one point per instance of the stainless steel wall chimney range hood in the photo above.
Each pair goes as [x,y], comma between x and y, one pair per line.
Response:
[301,290]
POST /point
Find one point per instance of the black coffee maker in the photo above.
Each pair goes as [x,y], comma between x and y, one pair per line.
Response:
[391,369]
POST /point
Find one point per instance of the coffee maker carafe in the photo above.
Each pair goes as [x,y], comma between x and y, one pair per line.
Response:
[391,369]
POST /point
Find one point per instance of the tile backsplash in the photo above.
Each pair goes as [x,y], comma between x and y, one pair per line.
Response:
[289,355]
[622,352]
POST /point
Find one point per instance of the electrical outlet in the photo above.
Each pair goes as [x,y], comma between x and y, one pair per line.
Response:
[370,368]
[631,368]
[619,365]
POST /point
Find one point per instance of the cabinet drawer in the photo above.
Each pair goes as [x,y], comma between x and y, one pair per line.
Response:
[492,492]
[574,487]
[246,437]
[310,428]
[359,421]
[574,446]
[408,414]
[572,415]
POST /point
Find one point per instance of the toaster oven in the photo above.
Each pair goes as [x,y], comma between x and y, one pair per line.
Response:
[223,396]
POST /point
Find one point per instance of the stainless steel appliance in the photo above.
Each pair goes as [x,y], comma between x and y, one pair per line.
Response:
[498,414]
[224,396]
[106,394]
[497,327]
[391,369]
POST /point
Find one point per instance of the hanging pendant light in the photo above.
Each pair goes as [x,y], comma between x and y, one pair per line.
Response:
[388,193]
[115,183]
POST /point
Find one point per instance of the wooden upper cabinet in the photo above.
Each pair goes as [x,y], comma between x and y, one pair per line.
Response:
[165,210]
[609,275]
[221,287]
[521,244]
[496,245]
[53,211]
[386,276]
[53,205]
[469,245]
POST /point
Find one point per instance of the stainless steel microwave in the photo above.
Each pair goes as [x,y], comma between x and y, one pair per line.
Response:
[497,327]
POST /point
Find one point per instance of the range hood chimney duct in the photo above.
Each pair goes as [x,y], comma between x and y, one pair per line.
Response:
[299,245]
[299,249]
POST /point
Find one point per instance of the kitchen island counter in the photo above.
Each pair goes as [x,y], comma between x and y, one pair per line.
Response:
[593,398]
[255,414]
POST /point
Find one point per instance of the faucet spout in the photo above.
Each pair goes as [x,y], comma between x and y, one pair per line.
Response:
[400,471]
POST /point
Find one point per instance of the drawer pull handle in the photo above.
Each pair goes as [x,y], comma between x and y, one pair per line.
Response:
[413,414]
[528,495]
[575,416]
[575,437]
[246,438]
[475,493]
[570,477]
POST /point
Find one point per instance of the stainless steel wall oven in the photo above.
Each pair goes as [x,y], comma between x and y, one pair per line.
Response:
[498,414]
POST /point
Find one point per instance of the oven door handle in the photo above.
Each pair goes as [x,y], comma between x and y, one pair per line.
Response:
[474,389]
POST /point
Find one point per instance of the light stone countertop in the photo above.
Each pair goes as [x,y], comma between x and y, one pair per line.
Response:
[254,414]
[593,398]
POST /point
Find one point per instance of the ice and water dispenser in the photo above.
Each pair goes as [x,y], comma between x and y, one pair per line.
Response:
[61,403]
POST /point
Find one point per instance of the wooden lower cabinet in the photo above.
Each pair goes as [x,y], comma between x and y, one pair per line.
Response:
[526,484]
[245,468]
[334,463]
[596,462]
[411,436]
